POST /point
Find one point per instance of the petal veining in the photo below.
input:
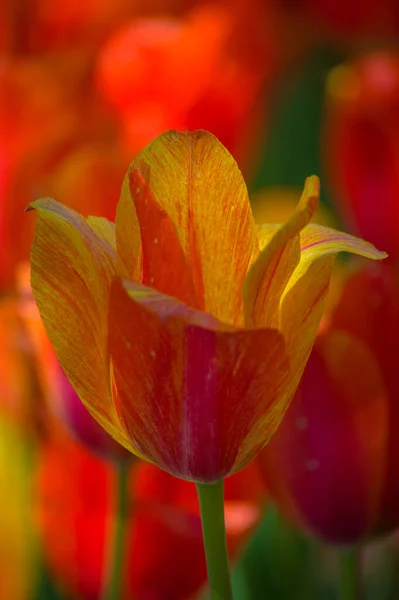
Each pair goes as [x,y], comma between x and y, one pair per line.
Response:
[198,184]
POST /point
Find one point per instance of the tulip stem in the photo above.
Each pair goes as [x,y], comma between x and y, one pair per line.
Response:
[350,574]
[211,499]
[114,567]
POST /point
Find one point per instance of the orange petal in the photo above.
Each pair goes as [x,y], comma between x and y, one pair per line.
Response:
[164,265]
[73,262]
[269,275]
[197,400]
[198,184]
[303,300]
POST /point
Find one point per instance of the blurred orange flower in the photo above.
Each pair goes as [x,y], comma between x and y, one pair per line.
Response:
[169,370]
[362,148]
[332,465]
[152,73]
[164,556]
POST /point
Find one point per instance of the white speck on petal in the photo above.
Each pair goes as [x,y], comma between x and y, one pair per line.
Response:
[375,300]
[312,464]
[301,423]
[152,353]
[137,190]
[155,240]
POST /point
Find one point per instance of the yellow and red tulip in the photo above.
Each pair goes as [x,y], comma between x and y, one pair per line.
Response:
[184,328]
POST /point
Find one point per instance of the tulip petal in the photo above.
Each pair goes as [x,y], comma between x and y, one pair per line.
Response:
[73,262]
[197,400]
[325,465]
[164,264]
[104,230]
[266,233]
[369,309]
[269,275]
[128,238]
[303,300]
[197,183]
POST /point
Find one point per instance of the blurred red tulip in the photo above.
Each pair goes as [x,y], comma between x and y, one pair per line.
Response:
[154,76]
[369,310]
[165,559]
[362,146]
[332,465]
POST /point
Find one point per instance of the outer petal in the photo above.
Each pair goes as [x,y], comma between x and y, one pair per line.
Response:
[198,184]
[269,275]
[303,300]
[73,262]
[196,400]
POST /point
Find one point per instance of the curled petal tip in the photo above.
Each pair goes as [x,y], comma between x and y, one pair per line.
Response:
[309,201]
[45,202]
[312,186]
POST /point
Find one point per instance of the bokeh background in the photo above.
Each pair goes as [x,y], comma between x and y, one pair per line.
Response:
[292,88]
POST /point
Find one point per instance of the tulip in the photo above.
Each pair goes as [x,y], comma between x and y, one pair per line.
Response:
[362,151]
[183,328]
[369,310]
[205,287]
[332,465]
[151,72]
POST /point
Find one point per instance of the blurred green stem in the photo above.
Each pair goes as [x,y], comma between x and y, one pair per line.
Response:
[350,574]
[211,499]
[114,568]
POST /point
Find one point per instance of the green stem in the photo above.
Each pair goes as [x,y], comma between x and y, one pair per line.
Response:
[113,575]
[211,499]
[350,574]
